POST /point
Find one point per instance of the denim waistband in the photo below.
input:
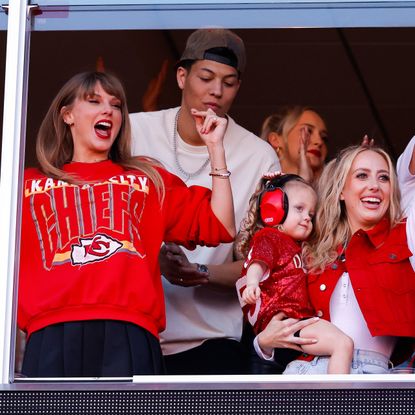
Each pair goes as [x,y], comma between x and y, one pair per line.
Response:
[368,356]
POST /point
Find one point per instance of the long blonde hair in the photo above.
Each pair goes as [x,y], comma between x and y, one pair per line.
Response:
[54,146]
[332,229]
[252,222]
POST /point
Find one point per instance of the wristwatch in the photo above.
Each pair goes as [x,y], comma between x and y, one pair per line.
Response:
[203,268]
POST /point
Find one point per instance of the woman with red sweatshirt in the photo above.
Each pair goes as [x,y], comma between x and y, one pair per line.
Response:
[94,218]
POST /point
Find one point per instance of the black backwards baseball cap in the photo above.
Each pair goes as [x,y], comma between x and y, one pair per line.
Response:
[206,44]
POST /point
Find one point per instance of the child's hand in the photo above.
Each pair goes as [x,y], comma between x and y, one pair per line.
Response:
[251,294]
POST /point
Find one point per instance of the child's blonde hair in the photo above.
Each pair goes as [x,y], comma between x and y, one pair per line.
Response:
[252,222]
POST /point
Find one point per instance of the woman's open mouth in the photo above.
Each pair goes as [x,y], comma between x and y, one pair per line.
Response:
[103,129]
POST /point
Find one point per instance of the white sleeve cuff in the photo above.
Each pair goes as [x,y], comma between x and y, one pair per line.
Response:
[264,355]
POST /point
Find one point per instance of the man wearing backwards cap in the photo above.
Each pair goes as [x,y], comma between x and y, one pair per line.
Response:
[204,319]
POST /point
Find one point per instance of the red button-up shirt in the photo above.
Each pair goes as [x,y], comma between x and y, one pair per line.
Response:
[382,278]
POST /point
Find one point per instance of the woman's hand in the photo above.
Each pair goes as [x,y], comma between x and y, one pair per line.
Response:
[211,129]
[367,142]
[280,331]
[304,168]
[210,126]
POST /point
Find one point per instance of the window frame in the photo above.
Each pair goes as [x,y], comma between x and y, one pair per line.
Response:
[23,18]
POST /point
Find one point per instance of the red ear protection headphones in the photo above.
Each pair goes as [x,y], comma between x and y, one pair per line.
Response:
[273,201]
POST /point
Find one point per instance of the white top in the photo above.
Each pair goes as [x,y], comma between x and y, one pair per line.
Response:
[195,314]
[345,314]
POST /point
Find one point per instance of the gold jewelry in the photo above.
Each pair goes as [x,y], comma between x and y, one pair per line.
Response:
[219,169]
[220,175]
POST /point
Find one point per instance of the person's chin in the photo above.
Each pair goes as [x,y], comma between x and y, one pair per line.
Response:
[315,164]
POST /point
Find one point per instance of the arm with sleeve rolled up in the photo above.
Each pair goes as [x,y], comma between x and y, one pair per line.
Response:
[211,129]
[174,264]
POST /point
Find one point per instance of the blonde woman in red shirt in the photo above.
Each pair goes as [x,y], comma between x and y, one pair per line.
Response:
[360,275]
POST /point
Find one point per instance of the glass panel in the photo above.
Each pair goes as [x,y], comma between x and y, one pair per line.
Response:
[3,18]
[107,16]
[308,66]
[295,3]
[286,66]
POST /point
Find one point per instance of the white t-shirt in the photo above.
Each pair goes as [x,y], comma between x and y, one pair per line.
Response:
[195,314]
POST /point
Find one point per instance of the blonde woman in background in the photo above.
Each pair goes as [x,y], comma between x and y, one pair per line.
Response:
[299,137]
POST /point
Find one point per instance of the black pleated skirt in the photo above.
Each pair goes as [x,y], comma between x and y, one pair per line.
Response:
[93,348]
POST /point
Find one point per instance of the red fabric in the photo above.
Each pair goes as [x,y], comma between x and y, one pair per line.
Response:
[285,288]
[91,251]
[382,278]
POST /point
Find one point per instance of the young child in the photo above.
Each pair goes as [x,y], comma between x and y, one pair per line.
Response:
[273,278]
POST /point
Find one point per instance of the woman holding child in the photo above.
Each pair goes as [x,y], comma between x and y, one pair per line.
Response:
[360,276]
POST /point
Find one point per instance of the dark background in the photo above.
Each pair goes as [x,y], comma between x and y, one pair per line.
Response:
[360,80]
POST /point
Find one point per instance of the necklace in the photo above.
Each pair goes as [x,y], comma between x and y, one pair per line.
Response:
[182,171]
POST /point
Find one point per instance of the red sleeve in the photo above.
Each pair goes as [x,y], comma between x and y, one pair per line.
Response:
[265,248]
[189,218]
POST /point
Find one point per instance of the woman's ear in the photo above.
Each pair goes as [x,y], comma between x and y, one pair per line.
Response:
[67,116]
[341,196]
[276,141]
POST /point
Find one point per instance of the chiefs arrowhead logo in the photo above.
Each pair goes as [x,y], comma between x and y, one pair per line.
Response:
[94,249]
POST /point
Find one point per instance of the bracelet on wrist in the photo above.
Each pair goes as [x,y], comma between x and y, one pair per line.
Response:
[224,175]
[219,168]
